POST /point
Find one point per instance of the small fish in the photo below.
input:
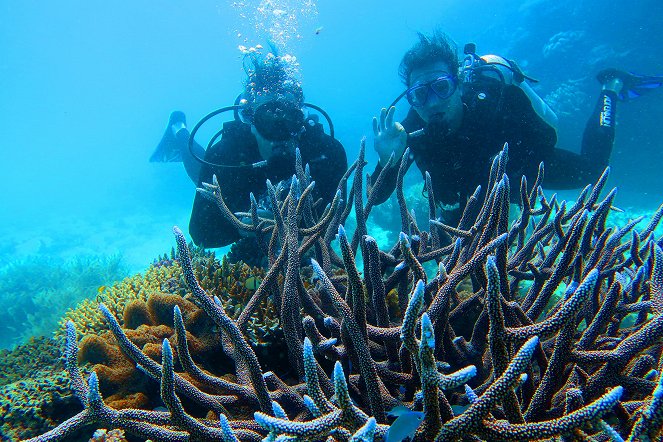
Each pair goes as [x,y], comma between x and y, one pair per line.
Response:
[252,283]
[398,410]
[318,30]
[405,425]
[101,289]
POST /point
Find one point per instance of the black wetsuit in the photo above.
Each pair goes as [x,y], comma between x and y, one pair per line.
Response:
[494,114]
[325,156]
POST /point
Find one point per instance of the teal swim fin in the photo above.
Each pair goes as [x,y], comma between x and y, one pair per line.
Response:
[634,85]
[173,141]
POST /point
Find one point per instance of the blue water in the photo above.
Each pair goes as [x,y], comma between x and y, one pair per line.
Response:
[86,88]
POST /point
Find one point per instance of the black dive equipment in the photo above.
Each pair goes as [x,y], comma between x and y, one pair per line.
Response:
[443,87]
[277,121]
[474,68]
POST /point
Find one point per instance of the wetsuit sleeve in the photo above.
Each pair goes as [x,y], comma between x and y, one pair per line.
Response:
[388,184]
[569,170]
[207,227]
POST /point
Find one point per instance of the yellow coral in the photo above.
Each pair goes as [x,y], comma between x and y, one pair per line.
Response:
[87,317]
[234,284]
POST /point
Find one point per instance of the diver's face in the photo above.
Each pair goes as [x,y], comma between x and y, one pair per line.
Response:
[450,109]
[269,149]
[278,116]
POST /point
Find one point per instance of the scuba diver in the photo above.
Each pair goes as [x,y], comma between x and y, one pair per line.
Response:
[259,143]
[461,116]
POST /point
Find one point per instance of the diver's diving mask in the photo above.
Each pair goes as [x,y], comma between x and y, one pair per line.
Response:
[275,120]
[443,87]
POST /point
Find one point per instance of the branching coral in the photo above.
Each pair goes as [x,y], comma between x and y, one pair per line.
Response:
[557,331]
[143,305]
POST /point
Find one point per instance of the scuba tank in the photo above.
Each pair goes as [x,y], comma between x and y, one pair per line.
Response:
[475,68]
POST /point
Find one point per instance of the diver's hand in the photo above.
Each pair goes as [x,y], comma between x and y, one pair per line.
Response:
[390,136]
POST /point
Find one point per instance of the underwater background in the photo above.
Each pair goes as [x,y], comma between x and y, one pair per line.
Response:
[86,89]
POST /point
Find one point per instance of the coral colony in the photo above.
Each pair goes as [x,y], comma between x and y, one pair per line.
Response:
[547,327]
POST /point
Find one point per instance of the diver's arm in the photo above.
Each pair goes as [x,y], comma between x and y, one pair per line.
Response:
[388,184]
[542,109]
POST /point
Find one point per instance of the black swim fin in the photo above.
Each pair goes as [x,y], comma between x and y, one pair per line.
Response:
[634,85]
[173,141]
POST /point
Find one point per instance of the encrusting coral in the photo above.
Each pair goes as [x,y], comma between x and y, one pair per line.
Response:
[144,305]
[34,389]
[557,334]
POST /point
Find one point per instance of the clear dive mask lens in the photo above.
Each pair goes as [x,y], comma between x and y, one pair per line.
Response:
[443,87]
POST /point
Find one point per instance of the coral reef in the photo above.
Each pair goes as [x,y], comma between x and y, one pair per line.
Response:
[103,435]
[144,305]
[562,42]
[233,283]
[35,292]
[28,359]
[34,389]
[544,328]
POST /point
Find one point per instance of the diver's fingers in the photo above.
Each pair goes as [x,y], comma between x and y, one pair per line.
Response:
[376,132]
[383,116]
[390,117]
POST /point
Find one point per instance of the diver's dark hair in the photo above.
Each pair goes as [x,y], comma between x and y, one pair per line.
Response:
[428,50]
[271,74]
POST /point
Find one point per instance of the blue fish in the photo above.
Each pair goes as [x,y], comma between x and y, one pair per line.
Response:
[406,424]
[399,410]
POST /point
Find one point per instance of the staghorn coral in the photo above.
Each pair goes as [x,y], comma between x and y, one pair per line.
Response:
[146,312]
[538,346]
[146,315]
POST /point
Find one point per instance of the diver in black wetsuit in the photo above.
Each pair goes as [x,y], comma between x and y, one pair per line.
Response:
[259,144]
[468,112]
